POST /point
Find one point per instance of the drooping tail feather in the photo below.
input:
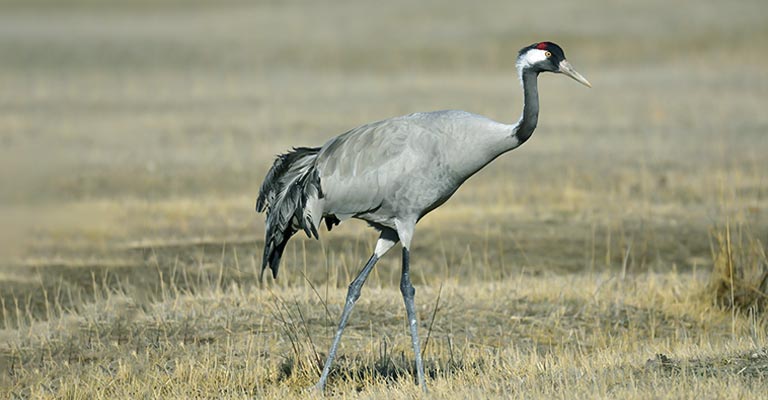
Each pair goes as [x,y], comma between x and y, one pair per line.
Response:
[292,181]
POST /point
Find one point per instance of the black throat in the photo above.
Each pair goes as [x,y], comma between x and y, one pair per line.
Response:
[530,116]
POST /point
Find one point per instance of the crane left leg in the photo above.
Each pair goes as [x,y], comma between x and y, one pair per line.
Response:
[406,288]
[387,239]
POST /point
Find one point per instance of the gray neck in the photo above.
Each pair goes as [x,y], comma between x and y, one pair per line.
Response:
[530,116]
[499,138]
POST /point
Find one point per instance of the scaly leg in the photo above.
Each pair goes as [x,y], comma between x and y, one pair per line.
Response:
[406,288]
[387,239]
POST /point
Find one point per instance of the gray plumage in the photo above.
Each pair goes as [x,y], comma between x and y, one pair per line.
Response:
[289,185]
[390,174]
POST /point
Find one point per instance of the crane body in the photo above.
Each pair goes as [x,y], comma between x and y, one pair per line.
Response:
[423,164]
[391,173]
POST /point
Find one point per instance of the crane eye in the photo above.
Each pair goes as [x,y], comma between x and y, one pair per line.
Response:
[547,54]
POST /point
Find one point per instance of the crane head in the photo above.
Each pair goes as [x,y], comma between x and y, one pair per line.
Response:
[548,57]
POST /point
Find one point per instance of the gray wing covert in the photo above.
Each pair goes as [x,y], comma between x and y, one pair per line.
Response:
[358,167]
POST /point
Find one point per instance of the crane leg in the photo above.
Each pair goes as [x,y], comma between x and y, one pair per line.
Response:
[406,288]
[353,293]
[386,241]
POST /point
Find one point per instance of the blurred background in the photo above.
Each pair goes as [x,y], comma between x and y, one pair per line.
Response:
[145,127]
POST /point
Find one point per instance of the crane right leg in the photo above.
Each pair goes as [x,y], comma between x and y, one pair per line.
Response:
[387,239]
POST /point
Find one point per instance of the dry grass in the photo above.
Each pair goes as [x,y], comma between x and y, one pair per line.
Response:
[134,137]
[541,336]
[740,272]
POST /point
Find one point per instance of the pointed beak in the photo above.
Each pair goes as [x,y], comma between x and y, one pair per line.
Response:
[566,68]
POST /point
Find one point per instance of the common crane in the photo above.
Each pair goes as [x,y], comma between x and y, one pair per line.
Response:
[390,174]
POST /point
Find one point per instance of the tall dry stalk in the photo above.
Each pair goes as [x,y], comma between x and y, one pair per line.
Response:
[740,271]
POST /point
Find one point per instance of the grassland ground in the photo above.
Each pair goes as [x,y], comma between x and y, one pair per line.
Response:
[552,335]
[133,139]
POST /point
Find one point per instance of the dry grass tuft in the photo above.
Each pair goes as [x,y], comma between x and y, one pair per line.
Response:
[740,270]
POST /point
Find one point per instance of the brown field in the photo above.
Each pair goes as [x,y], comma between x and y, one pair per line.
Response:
[134,137]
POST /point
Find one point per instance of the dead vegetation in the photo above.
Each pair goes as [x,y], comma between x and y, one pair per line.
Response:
[235,343]
[740,270]
[752,364]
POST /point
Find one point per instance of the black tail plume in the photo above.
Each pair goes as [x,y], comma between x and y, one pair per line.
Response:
[289,185]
